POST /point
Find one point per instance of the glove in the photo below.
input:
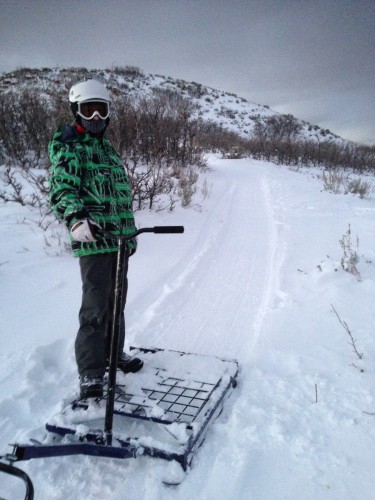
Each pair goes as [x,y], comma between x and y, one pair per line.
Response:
[131,246]
[84,230]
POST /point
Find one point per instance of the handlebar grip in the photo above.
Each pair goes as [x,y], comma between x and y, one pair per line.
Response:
[169,229]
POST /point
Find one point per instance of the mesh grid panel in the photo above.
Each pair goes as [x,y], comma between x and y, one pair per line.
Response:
[172,400]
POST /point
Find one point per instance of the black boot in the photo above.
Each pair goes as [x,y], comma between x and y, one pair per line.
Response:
[91,387]
[129,364]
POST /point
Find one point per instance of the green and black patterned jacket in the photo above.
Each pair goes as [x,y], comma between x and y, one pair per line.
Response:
[88,179]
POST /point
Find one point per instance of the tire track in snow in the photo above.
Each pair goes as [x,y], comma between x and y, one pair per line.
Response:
[274,257]
[220,291]
[177,277]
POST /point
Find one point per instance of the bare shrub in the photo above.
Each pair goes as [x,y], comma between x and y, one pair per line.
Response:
[157,139]
[335,181]
[13,189]
[350,257]
[352,339]
[187,186]
[359,187]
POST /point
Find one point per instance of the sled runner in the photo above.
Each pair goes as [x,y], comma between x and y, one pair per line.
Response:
[162,411]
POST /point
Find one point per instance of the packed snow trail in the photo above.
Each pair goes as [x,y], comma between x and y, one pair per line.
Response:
[222,282]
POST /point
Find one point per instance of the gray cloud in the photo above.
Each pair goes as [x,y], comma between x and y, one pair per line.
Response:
[311,58]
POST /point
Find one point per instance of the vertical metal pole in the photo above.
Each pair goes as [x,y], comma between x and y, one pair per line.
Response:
[121,272]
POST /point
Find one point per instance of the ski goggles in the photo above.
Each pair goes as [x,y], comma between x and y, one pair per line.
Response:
[89,109]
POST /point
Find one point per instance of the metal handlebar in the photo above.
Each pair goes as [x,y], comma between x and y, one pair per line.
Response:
[155,229]
[14,471]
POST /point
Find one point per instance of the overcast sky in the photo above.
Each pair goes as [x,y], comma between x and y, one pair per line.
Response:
[311,58]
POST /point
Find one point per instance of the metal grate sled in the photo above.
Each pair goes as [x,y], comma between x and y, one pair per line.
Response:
[163,411]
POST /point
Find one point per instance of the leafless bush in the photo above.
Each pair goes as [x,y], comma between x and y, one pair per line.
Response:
[206,189]
[279,139]
[24,129]
[352,340]
[350,257]
[128,71]
[335,181]
[359,187]
[338,182]
[213,137]
[157,139]
[26,187]
[187,185]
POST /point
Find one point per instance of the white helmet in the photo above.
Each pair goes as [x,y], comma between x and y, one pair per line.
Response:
[88,90]
[89,98]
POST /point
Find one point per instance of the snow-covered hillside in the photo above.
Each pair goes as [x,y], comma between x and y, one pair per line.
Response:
[224,108]
[254,277]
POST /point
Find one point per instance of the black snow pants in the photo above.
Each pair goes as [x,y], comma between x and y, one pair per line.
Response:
[98,273]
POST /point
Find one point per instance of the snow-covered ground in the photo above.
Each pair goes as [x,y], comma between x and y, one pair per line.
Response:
[254,277]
